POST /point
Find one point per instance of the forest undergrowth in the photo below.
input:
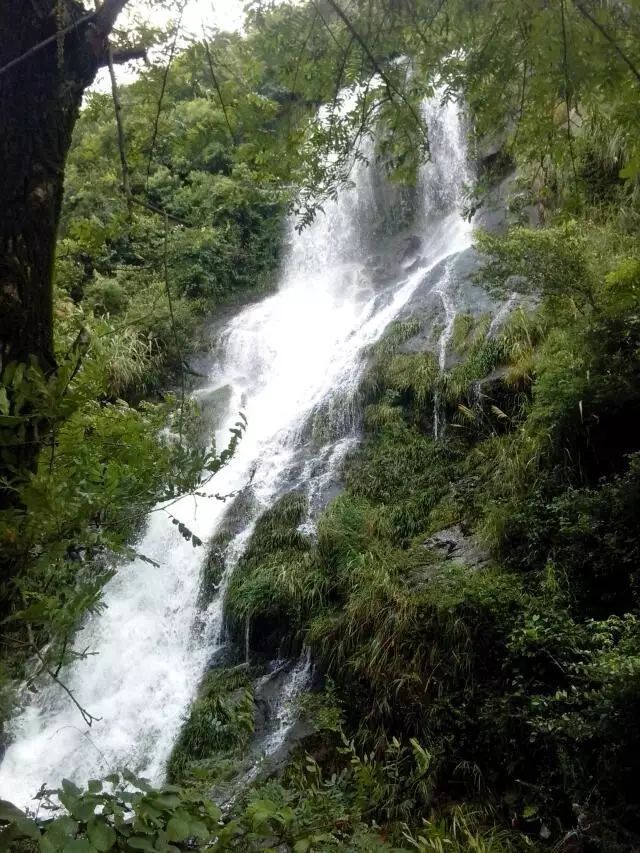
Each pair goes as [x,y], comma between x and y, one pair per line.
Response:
[471,603]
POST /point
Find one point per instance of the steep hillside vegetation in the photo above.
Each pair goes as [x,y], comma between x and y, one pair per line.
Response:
[471,600]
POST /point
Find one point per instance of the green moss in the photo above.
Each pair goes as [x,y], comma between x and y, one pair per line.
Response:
[276,581]
[213,569]
[480,663]
[235,519]
[219,726]
[468,331]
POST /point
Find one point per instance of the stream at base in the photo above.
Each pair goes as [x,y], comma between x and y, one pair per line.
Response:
[295,353]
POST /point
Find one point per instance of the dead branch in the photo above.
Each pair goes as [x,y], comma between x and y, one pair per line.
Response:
[46,42]
[107,15]
[165,265]
[128,54]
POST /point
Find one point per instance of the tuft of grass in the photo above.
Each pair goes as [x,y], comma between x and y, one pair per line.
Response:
[220,723]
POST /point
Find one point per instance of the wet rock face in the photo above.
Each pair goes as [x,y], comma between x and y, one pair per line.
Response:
[410,251]
[452,545]
[449,547]
[426,304]
[213,404]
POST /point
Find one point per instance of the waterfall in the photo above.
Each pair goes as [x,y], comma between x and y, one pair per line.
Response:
[280,361]
[444,180]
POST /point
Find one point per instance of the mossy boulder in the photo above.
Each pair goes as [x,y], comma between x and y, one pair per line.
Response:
[274,580]
[219,727]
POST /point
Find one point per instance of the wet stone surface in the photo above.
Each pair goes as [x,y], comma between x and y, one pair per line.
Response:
[452,545]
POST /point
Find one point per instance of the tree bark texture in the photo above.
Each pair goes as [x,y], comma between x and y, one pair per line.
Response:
[39,102]
[50,51]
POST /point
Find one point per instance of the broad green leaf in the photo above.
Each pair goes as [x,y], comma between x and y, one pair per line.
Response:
[178,829]
[136,781]
[83,809]
[70,787]
[78,845]
[48,846]
[139,842]
[61,830]
[101,835]
[4,402]
[198,829]
[7,838]
[167,802]
[8,811]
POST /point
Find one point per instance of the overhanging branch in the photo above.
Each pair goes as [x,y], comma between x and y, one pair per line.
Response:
[125,55]
[107,15]
[103,20]
[606,35]
[46,42]
[391,88]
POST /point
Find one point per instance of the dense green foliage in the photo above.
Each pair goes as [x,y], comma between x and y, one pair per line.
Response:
[472,602]
[517,670]
[220,725]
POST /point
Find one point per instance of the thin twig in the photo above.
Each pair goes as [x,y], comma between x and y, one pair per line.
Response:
[86,716]
[391,88]
[216,84]
[338,86]
[523,94]
[165,265]
[567,89]
[586,14]
[54,38]
[117,104]
[163,88]
[161,211]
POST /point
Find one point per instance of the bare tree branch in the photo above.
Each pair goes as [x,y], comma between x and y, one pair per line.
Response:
[568,88]
[165,268]
[86,716]
[338,85]
[126,178]
[46,42]
[44,667]
[216,84]
[128,54]
[163,88]
[103,19]
[160,211]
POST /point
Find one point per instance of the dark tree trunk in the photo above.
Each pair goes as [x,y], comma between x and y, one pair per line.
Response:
[39,102]
[56,47]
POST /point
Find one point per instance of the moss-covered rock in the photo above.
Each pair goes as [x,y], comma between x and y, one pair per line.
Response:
[275,580]
[218,729]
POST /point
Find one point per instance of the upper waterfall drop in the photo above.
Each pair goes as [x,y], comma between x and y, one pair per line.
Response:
[278,360]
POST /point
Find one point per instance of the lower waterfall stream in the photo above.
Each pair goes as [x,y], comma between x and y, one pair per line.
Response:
[298,351]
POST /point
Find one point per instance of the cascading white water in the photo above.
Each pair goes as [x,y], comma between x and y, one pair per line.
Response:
[440,193]
[280,359]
